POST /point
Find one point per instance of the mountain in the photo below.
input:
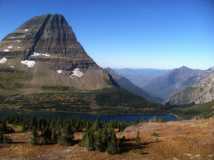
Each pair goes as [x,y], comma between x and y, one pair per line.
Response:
[44,67]
[129,86]
[198,93]
[140,77]
[172,82]
[47,45]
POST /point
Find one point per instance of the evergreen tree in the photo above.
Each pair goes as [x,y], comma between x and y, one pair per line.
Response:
[34,138]
[88,140]
[47,137]
[99,140]
[112,145]
[65,137]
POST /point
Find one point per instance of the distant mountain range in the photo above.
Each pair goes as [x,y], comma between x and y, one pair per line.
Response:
[140,77]
[168,84]
[129,86]
[177,86]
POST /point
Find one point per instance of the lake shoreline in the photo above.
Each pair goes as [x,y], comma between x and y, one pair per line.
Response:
[131,117]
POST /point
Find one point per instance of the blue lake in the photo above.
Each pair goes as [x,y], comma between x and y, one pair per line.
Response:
[126,117]
[102,117]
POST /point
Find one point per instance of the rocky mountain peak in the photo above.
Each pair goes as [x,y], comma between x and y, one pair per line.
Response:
[49,35]
[48,44]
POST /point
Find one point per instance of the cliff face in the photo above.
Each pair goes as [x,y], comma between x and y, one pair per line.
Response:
[47,47]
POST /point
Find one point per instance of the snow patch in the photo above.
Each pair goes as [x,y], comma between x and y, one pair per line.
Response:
[6,50]
[18,47]
[46,55]
[77,73]
[59,71]
[28,63]
[36,54]
[18,41]
[3,60]
[12,66]
[10,47]
[26,30]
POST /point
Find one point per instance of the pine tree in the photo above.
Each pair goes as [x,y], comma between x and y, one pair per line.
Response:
[88,140]
[65,137]
[34,138]
[99,140]
[112,145]
[47,137]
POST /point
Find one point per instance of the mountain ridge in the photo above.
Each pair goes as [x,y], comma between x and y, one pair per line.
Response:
[167,85]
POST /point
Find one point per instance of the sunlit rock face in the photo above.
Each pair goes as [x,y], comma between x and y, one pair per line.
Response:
[47,47]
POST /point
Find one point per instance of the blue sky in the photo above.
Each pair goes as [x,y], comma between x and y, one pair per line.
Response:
[129,33]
